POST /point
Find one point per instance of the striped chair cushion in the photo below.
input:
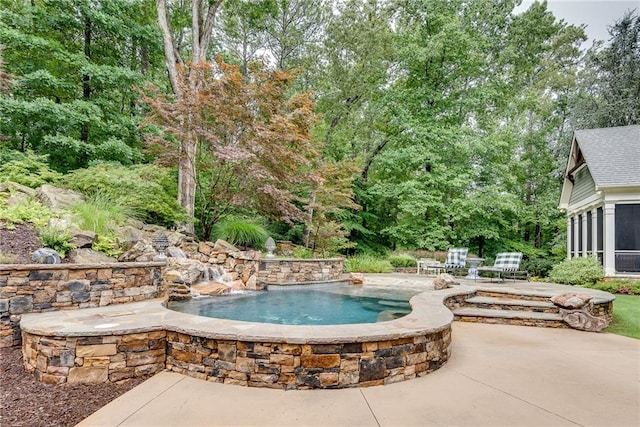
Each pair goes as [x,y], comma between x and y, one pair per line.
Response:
[456,258]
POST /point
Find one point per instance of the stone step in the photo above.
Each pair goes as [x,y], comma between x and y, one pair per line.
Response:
[509,317]
[525,296]
[498,303]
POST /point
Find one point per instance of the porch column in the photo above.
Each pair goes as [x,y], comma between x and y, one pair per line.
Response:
[594,232]
[576,236]
[569,237]
[584,234]
[609,239]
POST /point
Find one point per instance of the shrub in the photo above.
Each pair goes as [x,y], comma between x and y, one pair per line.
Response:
[149,190]
[302,252]
[537,267]
[618,286]
[402,260]
[56,238]
[577,271]
[26,168]
[367,264]
[238,231]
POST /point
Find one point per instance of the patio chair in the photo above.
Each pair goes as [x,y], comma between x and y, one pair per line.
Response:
[456,259]
[430,265]
[506,264]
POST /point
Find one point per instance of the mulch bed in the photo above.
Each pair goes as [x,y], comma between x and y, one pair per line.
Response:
[27,402]
[18,243]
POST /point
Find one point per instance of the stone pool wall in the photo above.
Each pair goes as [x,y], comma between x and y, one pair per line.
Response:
[289,271]
[306,366]
[34,288]
[95,359]
[113,358]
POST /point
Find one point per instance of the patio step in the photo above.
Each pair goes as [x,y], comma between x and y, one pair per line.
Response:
[504,303]
[509,317]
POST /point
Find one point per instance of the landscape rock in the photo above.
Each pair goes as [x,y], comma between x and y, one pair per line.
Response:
[89,256]
[57,199]
[357,278]
[46,256]
[17,192]
[175,252]
[210,288]
[443,281]
[224,246]
[83,238]
[190,270]
[139,249]
[571,300]
[583,320]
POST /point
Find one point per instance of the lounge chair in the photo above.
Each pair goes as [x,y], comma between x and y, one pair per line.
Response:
[456,259]
[506,264]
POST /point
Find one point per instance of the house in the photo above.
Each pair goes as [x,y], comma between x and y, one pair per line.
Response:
[601,197]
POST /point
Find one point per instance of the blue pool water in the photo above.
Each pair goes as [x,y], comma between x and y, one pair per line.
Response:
[298,306]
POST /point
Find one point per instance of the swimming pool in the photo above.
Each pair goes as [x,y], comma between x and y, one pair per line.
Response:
[301,305]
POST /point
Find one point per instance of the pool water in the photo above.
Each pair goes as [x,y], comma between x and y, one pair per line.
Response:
[299,306]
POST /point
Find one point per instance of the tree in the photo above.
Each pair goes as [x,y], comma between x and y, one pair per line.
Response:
[203,16]
[255,149]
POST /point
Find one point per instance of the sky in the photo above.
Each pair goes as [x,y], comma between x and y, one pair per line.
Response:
[596,14]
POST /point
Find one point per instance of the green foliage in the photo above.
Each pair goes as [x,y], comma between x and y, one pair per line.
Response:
[28,210]
[577,271]
[617,286]
[402,260]
[147,190]
[101,213]
[26,168]
[302,252]
[537,267]
[56,238]
[367,264]
[625,316]
[238,231]
[108,244]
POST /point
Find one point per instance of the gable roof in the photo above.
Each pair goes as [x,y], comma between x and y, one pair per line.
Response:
[612,154]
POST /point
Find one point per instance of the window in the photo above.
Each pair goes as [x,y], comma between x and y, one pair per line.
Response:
[589,232]
[628,237]
[580,231]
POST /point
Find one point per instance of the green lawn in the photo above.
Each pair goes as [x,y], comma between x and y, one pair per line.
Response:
[626,316]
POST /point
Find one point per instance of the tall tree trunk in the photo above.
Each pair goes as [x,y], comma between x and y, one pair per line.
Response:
[86,87]
[189,145]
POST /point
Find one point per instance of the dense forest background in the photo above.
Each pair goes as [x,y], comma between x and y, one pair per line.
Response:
[346,126]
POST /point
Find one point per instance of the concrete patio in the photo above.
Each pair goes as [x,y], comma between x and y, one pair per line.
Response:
[498,375]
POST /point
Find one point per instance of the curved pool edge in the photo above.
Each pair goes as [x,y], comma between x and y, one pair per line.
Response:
[109,344]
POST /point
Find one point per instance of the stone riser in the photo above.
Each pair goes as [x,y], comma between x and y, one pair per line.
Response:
[525,309]
[481,293]
[517,322]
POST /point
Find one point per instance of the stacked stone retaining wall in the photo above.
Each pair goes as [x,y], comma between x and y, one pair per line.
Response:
[34,288]
[289,271]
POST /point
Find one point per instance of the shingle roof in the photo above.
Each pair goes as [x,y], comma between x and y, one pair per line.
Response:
[612,154]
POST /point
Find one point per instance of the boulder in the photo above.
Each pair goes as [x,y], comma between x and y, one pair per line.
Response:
[190,270]
[57,199]
[174,252]
[210,288]
[224,246]
[443,281]
[357,278]
[583,320]
[141,249]
[46,256]
[571,300]
[83,238]
[16,192]
[89,256]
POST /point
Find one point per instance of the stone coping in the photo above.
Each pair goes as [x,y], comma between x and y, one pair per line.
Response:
[71,266]
[428,315]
